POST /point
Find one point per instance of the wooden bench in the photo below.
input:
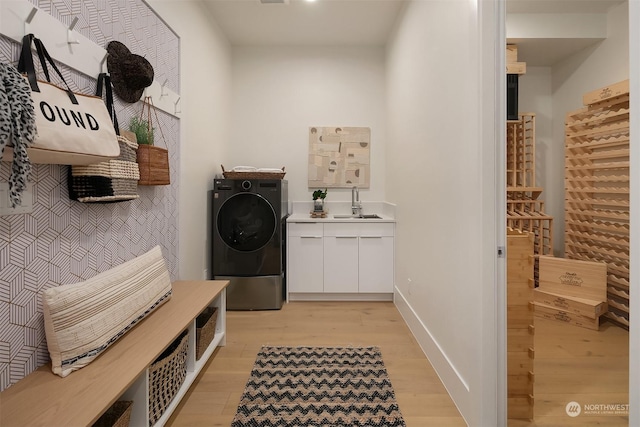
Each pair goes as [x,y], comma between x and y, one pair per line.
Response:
[120,373]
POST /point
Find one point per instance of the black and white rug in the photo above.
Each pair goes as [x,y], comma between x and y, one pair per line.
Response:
[318,387]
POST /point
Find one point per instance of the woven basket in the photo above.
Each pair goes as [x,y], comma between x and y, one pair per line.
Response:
[166,376]
[205,329]
[117,415]
[154,165]
[253,175]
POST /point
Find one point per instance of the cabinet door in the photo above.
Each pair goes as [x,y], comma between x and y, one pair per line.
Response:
[341,264]
[376,264]
[304,263]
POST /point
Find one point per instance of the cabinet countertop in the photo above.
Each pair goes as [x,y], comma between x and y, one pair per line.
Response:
[306,217]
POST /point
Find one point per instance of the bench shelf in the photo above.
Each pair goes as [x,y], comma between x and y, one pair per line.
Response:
[120,373]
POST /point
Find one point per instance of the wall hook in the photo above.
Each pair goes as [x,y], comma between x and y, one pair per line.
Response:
[162,91]
[27,21]
[70,39]
[31,15]
[103,62]
[175,107]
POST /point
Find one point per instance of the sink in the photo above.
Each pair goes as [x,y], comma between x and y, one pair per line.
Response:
[361,216]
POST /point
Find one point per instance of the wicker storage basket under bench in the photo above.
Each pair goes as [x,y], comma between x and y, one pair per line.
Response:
[166,376]
[205,329]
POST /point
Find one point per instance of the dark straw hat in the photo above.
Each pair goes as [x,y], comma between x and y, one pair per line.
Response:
[130,73]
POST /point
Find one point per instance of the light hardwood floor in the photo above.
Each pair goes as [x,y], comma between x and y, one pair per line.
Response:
[574,364]
[571,364]
[422,398]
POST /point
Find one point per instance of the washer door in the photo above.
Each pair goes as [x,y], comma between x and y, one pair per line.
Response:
[246,222]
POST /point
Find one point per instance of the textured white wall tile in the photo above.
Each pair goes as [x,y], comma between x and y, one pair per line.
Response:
[63,241]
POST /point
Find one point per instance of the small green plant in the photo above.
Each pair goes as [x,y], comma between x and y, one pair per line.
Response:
[144,132]
[319,194]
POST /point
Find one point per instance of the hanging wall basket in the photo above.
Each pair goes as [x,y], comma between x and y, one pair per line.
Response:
[153,161]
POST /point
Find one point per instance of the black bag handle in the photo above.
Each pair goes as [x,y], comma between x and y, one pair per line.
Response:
[105,80]
[26,65]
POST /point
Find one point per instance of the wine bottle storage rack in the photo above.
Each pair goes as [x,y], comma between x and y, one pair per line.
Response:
[597,189]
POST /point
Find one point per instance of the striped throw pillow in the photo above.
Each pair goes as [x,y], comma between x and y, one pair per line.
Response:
[83,319]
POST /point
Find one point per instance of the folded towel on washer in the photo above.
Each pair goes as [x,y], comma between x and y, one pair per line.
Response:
[269,170]
[244,169]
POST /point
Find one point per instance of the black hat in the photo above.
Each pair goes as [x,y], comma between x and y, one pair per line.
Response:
[130,73]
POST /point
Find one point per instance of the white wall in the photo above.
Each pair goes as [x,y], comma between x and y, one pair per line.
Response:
[205,90]
[445,275]
[279,92]
[590,69]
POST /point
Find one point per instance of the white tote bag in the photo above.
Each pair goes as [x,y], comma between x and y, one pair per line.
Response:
[73,129]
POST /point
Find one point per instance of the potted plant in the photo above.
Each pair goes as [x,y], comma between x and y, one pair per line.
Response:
[144,132]
[318,200]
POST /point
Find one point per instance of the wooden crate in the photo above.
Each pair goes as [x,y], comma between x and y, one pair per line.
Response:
[538,223]
[573,278]
[584,307]
[520,329]
[551,313]
[512,53]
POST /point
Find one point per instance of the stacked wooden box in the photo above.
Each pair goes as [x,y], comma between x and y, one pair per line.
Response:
[571,291]
[520,329]
[524,210]
[597,189]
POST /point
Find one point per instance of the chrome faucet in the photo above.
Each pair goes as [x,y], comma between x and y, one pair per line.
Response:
[356,207]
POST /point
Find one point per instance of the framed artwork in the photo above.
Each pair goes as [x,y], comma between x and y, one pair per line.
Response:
[339,157]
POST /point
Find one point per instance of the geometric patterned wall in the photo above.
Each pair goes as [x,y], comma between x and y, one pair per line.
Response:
[64,241]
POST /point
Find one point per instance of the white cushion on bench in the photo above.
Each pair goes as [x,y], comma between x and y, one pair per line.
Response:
[83,319]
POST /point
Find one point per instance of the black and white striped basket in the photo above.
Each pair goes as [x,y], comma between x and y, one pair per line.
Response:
[111,181]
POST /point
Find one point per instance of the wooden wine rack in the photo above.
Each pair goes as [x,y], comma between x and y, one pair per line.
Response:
[597,189]
[524,211]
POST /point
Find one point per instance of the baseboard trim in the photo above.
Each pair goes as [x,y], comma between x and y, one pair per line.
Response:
[340,297]
[455,384]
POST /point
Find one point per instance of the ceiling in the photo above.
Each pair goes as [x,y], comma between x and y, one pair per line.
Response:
[370,23]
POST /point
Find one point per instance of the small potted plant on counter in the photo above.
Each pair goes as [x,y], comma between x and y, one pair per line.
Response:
[318,200]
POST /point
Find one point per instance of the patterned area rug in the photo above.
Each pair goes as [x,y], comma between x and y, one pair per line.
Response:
[319,387]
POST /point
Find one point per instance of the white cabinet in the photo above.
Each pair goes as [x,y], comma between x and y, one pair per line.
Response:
[305,257]
[375,258]
[340,259]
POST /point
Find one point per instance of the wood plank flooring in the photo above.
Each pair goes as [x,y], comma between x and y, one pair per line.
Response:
[423,400]
[574,364]
[571,364]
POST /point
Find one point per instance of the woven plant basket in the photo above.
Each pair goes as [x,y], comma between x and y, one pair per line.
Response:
[117,415]
[166,376]
[205,329]
[153,163]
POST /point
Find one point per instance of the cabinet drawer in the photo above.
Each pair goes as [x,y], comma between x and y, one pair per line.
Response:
[305,229]
[385,229]
[342,230]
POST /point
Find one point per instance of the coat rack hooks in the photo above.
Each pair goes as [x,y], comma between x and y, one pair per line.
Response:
[70,39]
[104,60]
[162,91]
[27,21]
[31,15]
